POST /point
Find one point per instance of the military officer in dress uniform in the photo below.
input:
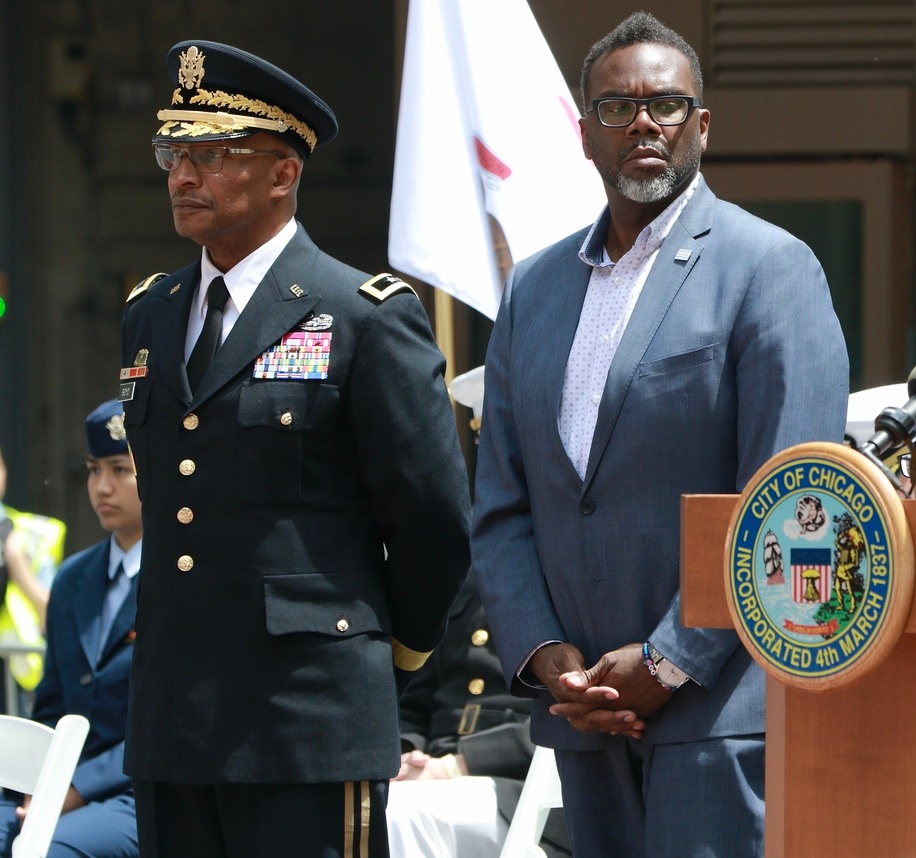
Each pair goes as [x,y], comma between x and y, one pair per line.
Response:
[90,641]
[305,498]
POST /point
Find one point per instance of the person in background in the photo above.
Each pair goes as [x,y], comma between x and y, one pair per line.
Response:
[305,499]
[90,643]
[465,749]
[14,565]
[31,549]
[671,348]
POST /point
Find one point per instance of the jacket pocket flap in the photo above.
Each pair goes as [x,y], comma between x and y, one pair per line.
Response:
[322,604]
[288,405]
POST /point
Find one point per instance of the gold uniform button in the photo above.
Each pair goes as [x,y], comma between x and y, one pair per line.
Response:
[192,421]
[342,625]
[479,637]
[185,563]
[286,418]
[185,515]
[476,686]
[186,467]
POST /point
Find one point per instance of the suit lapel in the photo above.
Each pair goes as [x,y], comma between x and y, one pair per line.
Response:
[124,621]
[169,320]
[87,606]
[669,271]
[563,313]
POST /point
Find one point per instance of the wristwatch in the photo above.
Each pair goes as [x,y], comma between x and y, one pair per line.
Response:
[669,677]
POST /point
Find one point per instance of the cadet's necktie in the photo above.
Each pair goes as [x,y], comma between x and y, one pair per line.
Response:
[208,341]
[118,588]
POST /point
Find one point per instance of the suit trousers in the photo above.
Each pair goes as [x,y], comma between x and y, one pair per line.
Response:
[693,800]
[337,820]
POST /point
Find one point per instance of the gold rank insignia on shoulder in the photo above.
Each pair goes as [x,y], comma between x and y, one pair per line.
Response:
[143,285]
[383,286]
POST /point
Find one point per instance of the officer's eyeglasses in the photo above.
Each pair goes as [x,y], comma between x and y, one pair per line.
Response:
[904,462]
[619,112]
[206,159]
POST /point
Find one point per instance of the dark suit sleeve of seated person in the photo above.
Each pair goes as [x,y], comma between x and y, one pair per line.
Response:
[459,703]
[501,752]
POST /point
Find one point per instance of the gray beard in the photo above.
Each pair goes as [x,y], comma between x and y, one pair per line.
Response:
[649,190]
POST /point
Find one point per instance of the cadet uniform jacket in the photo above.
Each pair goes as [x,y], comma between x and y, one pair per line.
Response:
[77,681]
[303,539]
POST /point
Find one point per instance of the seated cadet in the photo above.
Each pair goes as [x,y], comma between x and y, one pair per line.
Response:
[90,641]
[465,750]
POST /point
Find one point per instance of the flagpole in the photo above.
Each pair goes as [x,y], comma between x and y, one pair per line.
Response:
[445,330]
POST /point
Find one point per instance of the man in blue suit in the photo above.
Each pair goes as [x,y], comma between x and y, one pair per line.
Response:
[90,643]
[673,347]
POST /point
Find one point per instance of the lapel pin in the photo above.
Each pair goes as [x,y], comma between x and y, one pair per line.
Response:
[682,255]
[320,322]
[296,289]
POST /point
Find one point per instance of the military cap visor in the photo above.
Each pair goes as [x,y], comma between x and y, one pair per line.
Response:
[222,93]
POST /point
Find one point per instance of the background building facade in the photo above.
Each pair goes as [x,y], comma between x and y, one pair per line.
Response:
[812,127]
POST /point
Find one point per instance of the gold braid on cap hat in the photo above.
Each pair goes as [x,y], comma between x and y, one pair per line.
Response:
[194,123]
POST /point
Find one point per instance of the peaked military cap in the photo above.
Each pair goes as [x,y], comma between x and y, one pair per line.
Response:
[222,93]
[105,433]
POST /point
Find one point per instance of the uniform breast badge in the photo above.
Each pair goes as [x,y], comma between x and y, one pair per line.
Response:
[138,370]
[303,354]
[129,374]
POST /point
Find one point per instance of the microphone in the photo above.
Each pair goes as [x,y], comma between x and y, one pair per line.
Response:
[894,427]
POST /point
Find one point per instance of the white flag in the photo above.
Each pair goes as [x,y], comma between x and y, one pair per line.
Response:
[489,156]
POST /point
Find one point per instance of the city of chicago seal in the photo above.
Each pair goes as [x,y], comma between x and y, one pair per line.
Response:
[819,566]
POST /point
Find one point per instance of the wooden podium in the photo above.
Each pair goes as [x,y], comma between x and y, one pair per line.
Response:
[840,764]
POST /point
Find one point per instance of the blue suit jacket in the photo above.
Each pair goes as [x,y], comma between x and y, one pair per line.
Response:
[733,353]
[75,683]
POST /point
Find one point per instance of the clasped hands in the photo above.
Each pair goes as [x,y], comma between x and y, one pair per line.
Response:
[614,696]
[419,766]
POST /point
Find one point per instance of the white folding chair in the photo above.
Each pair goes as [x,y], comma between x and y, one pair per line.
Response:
[540,793]
[39,761]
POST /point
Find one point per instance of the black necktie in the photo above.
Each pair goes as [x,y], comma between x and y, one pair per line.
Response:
[208,341]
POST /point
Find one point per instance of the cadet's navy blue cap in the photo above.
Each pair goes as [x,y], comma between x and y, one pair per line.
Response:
[105,435]
[222,93]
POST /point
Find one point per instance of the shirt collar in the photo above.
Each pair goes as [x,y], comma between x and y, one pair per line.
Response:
[243,278]
[117,556]
[593,250]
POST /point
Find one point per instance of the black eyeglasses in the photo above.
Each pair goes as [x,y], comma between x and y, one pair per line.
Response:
[206,159]
[619,112]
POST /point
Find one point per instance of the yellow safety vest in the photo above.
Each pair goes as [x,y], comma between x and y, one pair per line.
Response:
[42,541]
